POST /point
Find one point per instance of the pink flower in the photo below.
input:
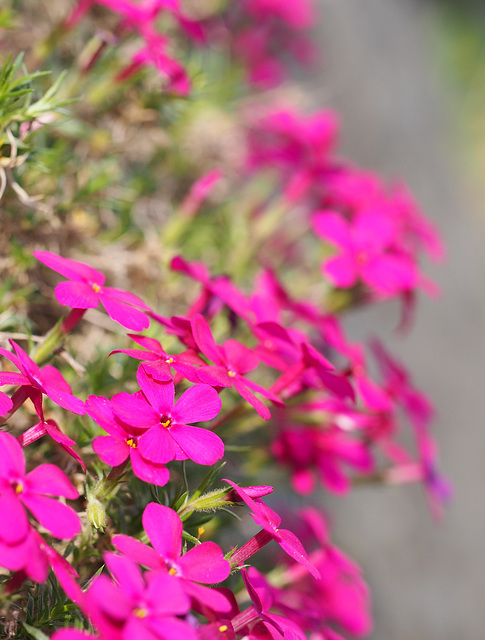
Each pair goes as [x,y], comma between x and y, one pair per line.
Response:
[262,599]
[84,290]
[38,381]
[122,443]
[298,146]
[231,361]
[298,15]
[137,605]
[270,522]
[366,252]
[340,598]
[168,434]
[204,563]
[19,490]
[324,453]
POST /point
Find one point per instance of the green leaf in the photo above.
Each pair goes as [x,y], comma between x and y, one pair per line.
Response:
[207,481]
[37,634]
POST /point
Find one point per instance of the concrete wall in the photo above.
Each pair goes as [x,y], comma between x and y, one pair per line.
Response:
[398,117]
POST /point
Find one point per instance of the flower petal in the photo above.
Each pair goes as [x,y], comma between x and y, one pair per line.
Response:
[294,548]
[157,445]
[15,524]
[166,595]
[150,472]
[205,563]
[204,339]
[199,403]
[211,598]
[49,479]
[140,553]
[240,386]
[164,529]
[100,410]
[5,403]
[341,270]
[125,296]
[125,314]
[112,450]
[66,400]
[68,268]
[134,411]
[159,394]
[127,573]
[200,445]
[62,521]
[76,295]
[12,462]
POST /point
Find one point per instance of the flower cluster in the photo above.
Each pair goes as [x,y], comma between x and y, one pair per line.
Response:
[246,363]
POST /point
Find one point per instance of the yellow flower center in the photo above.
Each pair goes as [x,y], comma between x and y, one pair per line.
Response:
[96,287]
[172,571]
[223,628]
[19,487]
[231,374]
[166,424]
[169,360]
[140,612]
[131,442]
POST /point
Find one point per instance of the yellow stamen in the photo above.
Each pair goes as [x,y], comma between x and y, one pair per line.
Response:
[223,628]
[19,487]
[172,571]
[169,360]
[140,613]
[131,443]
[166,424]
[200,532]
[231,374]
[96,287]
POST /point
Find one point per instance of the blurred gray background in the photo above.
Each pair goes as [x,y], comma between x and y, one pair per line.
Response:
[401,116]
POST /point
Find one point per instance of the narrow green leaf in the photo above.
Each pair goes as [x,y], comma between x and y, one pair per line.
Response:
[37,634]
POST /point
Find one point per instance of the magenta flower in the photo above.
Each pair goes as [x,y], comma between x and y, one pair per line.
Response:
[324,453]
[261,597]
[217,290]
[366,252]
[298,146]
[19,490]
[204,563]
[270,522]
[168,434]
[84,290]
[137,605]
[340,598]
[38,381]
[153,53]
[122,443]
[232,361]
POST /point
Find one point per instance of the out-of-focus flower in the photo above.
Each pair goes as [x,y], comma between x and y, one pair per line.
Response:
[84,290]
